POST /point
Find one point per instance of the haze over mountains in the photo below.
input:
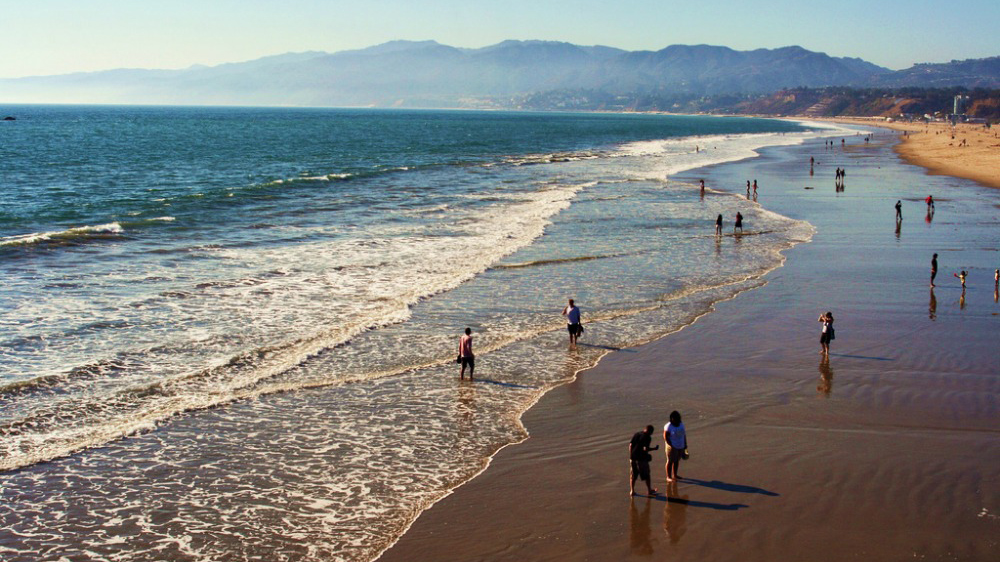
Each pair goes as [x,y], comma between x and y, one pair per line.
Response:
[429,74]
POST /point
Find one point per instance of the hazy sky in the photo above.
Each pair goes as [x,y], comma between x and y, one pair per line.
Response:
[58,36]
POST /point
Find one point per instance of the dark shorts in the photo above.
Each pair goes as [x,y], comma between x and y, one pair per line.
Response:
[640,469]
[469,361]
[574,329]
[824,337]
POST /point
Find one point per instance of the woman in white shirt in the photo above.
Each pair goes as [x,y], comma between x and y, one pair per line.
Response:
[675,437]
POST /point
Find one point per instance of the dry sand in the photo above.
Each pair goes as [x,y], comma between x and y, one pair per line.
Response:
[964,150]
[888,451]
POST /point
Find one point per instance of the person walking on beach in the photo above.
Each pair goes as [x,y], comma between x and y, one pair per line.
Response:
[827,334]
[930,203]
[933,269]
[675,437]
[748,188]
[465,355]
[718,224]
[639,457]
[573,324]
[755,187]
[739,223]
[899,211]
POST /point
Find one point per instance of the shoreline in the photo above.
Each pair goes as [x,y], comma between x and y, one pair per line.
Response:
[594,411]
[939,147]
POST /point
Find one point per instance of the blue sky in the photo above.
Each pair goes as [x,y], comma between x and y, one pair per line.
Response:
[59,36]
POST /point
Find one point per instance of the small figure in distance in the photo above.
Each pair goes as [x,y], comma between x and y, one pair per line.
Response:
[899,211]
[996,276]
[739,223]
[827,334]
[675,437]
[930,203]
[465,355]
[961,276]
[718,224]
[573,324]
[755,187]
[702,188]
[933,269]
[639,457]
[748,188]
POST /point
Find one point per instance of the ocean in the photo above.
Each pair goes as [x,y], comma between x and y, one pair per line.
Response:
[230,333]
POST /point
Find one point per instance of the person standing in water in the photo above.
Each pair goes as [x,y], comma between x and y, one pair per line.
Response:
[827,334]
[718,224]
[675,437]
[899,211]
[739,223]
[933,269]
[573,324]
[465,355]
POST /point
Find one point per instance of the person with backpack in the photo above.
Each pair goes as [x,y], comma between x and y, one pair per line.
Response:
[639,457]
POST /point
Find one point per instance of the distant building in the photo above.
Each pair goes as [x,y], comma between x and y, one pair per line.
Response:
[960,103]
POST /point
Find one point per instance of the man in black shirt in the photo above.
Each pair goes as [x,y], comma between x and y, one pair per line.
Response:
[639,457]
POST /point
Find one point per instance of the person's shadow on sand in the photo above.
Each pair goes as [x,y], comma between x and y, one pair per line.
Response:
[730,487]
[698,503]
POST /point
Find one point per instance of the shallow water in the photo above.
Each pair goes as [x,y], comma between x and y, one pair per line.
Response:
[277,339]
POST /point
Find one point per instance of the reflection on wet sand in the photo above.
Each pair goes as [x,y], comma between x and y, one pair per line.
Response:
[675,514]
[961,300]
[825,385]
[932,307]
[640,535]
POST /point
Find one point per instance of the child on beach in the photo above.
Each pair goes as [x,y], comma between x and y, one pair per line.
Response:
[718,224]
[675,437]
[961,276]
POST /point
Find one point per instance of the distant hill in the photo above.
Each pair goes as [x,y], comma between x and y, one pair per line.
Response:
[429,74]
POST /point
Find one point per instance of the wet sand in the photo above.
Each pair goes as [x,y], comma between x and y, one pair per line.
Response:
[887,451]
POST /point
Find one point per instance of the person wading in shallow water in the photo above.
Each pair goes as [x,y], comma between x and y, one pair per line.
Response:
[573,325]
[639,457]
[827,334]
[465,355]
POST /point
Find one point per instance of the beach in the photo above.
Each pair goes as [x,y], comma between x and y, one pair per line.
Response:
[965,150]
[886,450]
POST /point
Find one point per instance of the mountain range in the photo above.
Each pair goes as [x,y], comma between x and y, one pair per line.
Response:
[429,74]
